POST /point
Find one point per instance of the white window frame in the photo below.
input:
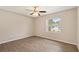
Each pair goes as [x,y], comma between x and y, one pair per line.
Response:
[47,28]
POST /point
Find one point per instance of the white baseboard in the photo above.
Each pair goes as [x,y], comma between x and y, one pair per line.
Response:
[30,36]
[14,39]
[57,40]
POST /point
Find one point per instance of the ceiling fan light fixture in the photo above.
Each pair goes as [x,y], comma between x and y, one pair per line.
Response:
[35,14]
[36,11]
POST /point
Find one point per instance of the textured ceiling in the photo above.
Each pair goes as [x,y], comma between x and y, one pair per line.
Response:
[24,10]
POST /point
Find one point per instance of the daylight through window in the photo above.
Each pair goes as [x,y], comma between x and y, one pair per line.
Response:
[53,24]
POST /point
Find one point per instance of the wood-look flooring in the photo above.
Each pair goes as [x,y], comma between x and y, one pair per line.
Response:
[37,44]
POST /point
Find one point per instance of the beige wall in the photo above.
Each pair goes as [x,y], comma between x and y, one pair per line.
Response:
[78,27]
[68,23]
[14,26]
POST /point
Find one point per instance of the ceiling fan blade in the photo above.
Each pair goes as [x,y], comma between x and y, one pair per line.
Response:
[31,13]
[38,14]
[42,11]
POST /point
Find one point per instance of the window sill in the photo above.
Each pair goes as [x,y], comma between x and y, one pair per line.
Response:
[54,31]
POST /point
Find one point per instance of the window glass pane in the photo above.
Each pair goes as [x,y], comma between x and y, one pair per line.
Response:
[53,24]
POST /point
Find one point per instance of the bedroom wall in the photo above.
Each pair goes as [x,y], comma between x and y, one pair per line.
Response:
[14,26]
[78,27]
[68,23]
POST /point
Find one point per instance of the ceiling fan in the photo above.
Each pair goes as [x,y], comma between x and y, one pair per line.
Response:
[36,11]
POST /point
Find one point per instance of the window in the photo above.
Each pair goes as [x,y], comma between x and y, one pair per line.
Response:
[54,24]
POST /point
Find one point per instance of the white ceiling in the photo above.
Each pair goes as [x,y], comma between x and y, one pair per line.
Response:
[23,9]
